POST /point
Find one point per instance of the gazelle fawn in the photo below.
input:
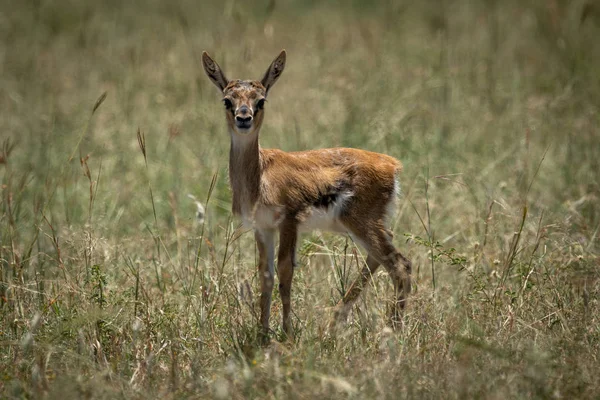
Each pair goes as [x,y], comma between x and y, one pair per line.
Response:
[342,190]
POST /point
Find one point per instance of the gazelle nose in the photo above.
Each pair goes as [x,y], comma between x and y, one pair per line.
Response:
[243,115]
[243,119]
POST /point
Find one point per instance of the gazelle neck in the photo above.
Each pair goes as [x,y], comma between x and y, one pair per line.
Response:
[244,171]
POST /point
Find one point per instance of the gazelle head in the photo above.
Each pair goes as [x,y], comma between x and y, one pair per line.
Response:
[244,100]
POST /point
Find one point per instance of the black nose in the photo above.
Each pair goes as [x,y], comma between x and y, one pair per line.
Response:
[243,119]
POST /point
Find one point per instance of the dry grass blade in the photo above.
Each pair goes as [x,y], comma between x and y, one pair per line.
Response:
[537,171]
[447,177]
[99,102]
[142,143]
[85,167]
[514,248]
[7,148]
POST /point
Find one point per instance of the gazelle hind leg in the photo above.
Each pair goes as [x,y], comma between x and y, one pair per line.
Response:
[399,269]
[345,304]
[378,243]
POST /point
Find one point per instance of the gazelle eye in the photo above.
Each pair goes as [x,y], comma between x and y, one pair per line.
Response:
[228,104]
[260,104]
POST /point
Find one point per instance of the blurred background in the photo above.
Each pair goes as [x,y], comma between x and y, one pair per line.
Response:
[108,124]
[479,88]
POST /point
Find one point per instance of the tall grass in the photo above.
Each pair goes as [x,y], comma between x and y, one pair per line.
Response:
[111,288]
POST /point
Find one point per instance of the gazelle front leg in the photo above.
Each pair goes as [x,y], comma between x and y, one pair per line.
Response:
[286,262]
[265,241]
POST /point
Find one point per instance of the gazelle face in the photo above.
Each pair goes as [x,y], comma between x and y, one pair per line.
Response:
[244,100]
[244,103]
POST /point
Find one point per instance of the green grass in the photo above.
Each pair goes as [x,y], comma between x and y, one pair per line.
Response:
[110,288]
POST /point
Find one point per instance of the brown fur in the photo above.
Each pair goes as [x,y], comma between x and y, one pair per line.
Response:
[282,191]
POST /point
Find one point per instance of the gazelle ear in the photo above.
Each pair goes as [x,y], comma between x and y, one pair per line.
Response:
[275,69]
[213,71]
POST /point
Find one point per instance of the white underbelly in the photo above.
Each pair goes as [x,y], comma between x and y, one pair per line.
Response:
[311,218]
[324,219]
[268,217]
[264,217]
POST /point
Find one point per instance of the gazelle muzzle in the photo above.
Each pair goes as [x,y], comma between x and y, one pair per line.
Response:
[243,117]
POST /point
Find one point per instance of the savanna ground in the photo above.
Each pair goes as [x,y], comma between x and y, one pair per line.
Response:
[111,288]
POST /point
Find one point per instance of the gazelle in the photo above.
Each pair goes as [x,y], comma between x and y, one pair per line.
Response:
[342,190]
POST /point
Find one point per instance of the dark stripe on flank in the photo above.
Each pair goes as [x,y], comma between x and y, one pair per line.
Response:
[325,200]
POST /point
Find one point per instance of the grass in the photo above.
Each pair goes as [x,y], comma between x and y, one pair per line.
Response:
[111,288]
